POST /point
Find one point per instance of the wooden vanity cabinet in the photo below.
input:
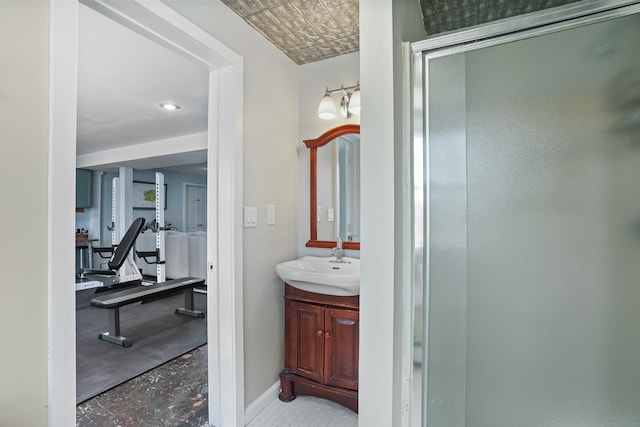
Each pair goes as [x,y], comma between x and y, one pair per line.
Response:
[321,347]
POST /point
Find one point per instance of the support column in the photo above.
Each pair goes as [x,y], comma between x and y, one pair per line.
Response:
[125,205]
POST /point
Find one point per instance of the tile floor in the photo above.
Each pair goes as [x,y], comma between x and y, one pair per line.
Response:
[175,394]
[305,411]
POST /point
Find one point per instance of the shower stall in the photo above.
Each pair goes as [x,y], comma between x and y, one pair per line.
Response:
[525,279]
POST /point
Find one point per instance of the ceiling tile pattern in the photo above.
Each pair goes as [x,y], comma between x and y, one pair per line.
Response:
[305,30]
[313,30]
[442,16]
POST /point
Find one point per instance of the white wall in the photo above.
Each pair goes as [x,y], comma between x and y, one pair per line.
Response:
[24,175]
[315,77]
[384,24]
[270,175]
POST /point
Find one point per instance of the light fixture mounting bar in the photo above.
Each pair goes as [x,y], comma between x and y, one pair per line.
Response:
[342,88]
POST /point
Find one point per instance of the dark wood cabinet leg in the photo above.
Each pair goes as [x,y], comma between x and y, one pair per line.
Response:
[286,388]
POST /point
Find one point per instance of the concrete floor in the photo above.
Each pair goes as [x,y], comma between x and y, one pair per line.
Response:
[173,394]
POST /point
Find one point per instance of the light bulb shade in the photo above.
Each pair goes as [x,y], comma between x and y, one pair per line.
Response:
[354,102]
[327,108]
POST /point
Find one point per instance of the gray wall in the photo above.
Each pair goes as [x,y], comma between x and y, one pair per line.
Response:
[24,109]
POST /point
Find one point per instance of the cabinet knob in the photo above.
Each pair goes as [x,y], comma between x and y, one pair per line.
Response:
[327,334]
[319,333]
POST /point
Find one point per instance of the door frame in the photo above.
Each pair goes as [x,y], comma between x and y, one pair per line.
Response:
[160,23]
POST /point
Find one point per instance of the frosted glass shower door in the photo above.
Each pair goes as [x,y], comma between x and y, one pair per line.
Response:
[533,278]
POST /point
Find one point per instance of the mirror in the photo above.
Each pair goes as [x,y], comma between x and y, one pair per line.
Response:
[334,192]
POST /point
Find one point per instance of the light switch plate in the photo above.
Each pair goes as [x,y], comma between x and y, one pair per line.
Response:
[330,215]
[250,217]
[271,214]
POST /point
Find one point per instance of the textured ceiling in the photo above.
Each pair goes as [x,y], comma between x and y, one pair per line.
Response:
[313,30]
[305,30]
[441,16]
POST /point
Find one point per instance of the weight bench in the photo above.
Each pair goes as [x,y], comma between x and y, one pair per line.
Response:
[113,301]
[114,275]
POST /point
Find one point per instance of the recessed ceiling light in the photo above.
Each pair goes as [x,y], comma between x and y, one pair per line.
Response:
[169,106]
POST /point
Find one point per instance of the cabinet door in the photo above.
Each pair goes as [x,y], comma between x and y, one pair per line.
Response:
[306,333]
[84,188]
[342,332]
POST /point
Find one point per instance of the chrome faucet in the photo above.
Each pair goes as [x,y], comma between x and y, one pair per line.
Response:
[338,251]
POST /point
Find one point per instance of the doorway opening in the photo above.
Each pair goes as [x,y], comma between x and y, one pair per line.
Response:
[161,24]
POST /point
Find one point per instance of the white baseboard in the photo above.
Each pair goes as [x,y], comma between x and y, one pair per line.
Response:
[261,403]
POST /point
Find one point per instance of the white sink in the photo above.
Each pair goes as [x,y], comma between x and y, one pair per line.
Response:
[322,275]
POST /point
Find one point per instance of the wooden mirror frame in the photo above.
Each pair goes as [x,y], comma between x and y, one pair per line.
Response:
[313,145]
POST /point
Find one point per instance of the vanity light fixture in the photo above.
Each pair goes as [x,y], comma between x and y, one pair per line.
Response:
[349,102]
[170,106]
